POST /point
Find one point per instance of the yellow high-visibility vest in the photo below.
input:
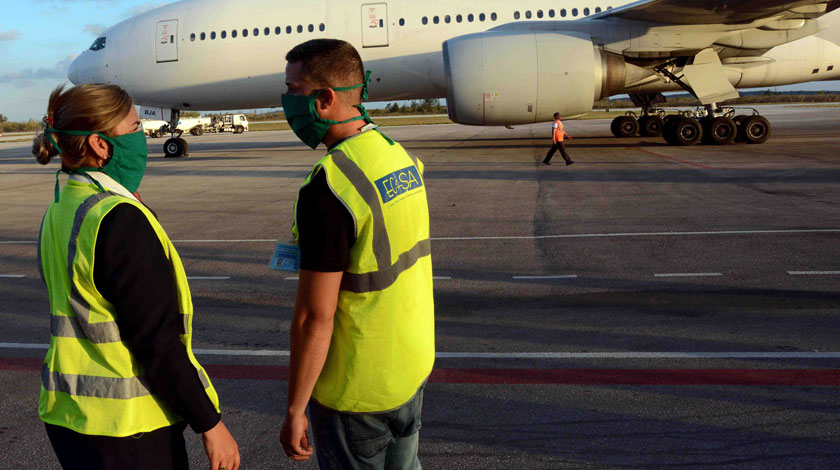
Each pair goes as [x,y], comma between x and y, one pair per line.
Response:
[91,382]
[383,346]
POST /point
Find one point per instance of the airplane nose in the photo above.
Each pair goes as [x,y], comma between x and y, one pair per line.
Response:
[73,71]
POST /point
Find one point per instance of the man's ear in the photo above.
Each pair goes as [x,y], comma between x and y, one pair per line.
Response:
[326,99]
[98,146]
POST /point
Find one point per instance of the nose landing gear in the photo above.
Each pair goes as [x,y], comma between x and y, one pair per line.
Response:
[175,147]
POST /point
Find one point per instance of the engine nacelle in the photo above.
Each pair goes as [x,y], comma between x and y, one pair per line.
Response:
[501,77]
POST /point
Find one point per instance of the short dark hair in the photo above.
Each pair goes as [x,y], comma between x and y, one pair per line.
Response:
[556,115]
[330,63]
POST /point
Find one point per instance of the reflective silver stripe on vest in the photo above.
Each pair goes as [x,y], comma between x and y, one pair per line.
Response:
[382,279]
[360,181]
[69,327]
[101,333]
[92,386]
[203,377]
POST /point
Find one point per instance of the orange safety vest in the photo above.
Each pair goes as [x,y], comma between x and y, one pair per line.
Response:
[558,131]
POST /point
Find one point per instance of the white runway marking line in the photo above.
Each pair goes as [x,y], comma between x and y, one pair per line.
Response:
[12,276]
[813,273]
[526,355]
[688,275]
[536,278]
[644,234]
[208,278]
[442,278]
[528,237]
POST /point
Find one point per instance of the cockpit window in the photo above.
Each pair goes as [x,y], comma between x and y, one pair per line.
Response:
[98,45]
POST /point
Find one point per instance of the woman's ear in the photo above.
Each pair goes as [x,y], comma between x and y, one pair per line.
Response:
[98,146]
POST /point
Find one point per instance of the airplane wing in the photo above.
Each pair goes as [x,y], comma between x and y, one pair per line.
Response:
[718,11]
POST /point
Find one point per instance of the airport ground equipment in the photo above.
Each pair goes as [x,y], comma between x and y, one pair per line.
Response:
[236,123]
[155,128]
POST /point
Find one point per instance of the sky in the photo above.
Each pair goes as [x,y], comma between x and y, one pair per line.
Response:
[39,39]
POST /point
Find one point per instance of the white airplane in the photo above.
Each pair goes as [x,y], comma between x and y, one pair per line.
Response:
[496,62]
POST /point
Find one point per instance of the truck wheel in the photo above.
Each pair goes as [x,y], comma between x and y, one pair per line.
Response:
[198,131]
[175,147]
[238,130]
[624,126]
[755,130]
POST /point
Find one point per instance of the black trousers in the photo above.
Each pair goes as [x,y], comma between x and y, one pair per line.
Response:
[561,146]
[161,449]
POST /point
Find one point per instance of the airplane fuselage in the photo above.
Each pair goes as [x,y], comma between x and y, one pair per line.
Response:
[216,54]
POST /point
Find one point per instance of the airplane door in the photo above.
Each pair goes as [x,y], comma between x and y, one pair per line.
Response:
[166,41]
[375,25]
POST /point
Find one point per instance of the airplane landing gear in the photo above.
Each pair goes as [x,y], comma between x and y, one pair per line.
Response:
[753,129]
[651,125]
[175,146]
[625,126]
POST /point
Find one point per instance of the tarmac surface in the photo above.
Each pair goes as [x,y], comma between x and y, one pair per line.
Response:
[647,307]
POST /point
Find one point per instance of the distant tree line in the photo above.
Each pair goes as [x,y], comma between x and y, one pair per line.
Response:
[427,106]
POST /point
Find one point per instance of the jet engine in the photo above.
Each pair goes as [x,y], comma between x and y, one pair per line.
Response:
[504,77]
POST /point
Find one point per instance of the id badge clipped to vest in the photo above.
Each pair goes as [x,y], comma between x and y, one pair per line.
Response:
[286,257]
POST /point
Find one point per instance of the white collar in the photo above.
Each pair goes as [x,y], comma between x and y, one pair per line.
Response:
[106,181]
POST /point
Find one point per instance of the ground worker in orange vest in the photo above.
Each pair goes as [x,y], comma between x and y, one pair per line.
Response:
[558,136]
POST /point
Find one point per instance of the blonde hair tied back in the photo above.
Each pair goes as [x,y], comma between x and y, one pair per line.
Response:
[92,108]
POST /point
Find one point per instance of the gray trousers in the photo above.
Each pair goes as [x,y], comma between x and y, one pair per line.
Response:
[368,441]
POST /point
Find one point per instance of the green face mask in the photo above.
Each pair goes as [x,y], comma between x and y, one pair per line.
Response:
[304,120]
[129,154]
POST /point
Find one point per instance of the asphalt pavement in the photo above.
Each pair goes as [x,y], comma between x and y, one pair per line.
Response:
[647,307]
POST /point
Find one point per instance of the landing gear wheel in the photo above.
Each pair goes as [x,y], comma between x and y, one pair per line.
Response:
[176,147]
[719,131]
[624,126]
[683,131]
[755,130]
[651,126]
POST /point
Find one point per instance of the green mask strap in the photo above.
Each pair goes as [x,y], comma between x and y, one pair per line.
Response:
[56,185]
[361,107]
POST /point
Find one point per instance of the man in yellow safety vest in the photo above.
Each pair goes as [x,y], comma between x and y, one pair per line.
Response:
[362,335]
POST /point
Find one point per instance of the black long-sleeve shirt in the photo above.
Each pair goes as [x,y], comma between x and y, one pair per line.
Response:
[132,272]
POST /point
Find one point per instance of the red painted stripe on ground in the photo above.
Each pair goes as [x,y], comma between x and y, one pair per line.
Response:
[743,377]
[666,157]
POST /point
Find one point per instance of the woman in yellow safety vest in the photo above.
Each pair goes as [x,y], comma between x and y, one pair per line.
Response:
[120,382]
